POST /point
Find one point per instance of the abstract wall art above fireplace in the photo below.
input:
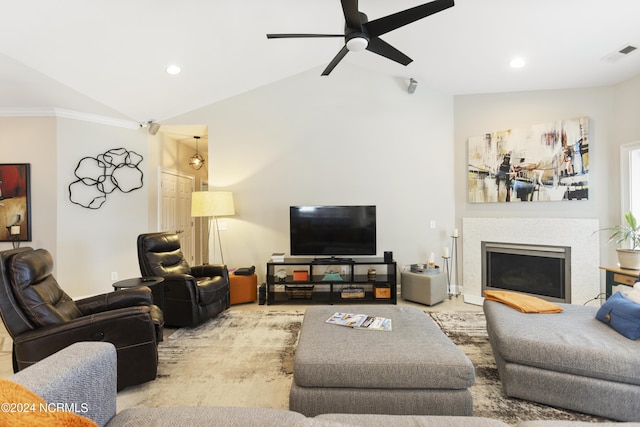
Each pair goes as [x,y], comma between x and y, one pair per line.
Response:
[544,162]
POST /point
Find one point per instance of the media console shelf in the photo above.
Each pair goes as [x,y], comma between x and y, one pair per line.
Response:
[331,281]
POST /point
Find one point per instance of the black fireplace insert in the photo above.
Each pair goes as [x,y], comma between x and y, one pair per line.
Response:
[538,270]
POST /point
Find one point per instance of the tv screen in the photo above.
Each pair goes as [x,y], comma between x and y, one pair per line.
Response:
[333,230]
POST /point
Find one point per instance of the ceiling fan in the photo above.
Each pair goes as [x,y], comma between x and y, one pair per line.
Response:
[360,34]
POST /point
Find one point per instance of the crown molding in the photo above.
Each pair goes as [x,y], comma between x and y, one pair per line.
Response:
[68,114]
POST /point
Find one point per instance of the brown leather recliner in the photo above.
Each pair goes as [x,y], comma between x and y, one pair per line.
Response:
[191,294]
[42,319]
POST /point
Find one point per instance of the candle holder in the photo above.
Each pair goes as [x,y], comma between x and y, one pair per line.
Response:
[445,263]
[453,277]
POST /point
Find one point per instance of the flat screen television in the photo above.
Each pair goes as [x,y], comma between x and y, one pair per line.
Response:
[333,231]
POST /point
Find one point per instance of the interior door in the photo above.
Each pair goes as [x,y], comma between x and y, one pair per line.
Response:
[175,210]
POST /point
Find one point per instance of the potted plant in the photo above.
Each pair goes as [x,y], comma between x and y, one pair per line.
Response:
[629,234]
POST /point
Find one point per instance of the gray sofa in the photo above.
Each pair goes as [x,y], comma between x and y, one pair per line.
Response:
[84,374]
[568,360]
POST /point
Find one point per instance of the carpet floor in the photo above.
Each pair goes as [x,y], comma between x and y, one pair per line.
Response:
[245,358]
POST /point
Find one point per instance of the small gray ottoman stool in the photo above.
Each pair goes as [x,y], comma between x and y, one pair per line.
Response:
[426,289]
[414,369]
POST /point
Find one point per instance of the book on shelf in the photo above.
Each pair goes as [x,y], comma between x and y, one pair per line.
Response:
[360,321]
[277,257]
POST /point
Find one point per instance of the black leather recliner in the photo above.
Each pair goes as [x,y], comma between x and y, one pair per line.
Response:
[191,294]
[42,319]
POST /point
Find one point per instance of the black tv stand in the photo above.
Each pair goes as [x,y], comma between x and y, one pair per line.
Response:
[330,280]
[333,260]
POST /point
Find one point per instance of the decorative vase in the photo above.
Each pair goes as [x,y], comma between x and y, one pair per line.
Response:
[629,259]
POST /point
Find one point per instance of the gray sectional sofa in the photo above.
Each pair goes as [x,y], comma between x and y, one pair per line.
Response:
[569,360]
[85,373]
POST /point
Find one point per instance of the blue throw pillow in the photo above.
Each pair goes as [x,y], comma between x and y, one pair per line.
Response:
[621,314]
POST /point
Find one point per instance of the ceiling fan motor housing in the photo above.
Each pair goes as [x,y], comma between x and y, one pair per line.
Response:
[357,39]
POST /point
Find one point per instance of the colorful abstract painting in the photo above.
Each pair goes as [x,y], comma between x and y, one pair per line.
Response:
[15,203]
[545,162]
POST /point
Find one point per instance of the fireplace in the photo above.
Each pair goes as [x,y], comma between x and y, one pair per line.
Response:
[538,270]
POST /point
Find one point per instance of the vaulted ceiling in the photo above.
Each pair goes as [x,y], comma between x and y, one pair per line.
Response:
[114,52]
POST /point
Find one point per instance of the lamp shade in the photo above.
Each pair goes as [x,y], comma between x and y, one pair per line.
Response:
[212,203]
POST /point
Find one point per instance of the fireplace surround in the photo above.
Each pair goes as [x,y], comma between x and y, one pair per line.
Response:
[576,233]
[543,271]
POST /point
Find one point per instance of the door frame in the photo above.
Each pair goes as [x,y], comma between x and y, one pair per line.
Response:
[626,168]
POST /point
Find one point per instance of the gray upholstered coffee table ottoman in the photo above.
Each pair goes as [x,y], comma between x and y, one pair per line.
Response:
[413,369]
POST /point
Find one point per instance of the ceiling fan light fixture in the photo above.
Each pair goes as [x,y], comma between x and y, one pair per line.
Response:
[357,44]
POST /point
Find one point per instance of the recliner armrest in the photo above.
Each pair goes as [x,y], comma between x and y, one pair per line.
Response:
[82,375]
[123,327]
[175,277]
[128,297]
[210,270]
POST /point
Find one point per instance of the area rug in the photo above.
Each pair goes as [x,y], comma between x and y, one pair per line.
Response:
[468,331]
[239,358]
[245,358]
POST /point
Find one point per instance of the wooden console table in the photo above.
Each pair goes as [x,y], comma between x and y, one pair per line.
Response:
[619,276]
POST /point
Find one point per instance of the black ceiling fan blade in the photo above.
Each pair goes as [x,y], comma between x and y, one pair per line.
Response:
[335,61]
[297,36]
[351,14]
[381,47]
[388,23]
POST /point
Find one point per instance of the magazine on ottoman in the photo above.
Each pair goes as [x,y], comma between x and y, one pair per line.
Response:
[360,321]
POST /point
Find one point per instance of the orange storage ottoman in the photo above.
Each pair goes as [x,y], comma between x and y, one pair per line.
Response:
[243,288]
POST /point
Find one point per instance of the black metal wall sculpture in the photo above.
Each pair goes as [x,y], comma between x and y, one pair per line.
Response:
[116,169]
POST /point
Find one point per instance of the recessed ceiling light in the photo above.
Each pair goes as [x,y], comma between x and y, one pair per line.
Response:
[517,63]
[173,69]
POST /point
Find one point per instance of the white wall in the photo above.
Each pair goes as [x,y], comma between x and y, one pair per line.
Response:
[87,245]
[93,243]
[627,133]
[626,111]
[613,111]
[356,137]
[33,140]
[478,114]
[352,138]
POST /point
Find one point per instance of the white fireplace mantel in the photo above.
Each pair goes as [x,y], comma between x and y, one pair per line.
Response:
[576,233]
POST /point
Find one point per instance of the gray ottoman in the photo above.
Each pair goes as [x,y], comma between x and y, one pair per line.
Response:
[413,369]
[426,289]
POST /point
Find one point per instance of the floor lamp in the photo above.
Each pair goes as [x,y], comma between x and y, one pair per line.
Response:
[212,204]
